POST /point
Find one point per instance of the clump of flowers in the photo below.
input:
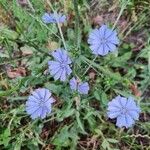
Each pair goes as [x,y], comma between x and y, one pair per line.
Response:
[103,40]
[81,87]
[39,103]
[125,110]
[59,68]
[53,18]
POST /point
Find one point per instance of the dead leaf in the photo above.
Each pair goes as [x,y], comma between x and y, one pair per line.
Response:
[98,20]
[92,74]
[52,45]
[22,2]
[16,72]
[134,16]
[27,50]
[114,6]
[135,90]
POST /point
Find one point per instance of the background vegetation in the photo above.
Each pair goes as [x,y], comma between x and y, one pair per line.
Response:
[76,122]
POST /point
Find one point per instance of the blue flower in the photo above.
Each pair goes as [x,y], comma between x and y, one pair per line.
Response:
[81,87]
[39,103]
[125,110]
[103,40]
[53,18]
[60,68]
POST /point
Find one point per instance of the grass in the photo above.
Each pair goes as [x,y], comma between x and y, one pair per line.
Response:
[76,122]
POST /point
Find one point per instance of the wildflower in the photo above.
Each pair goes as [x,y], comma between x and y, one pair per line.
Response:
[103,40]
[125,110]
[60,68]
[53,18]
[39,103]
[81,87]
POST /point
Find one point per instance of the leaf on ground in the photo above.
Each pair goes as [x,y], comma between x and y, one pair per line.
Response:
[16,72]
[8,33]
[98,20]
[135,90]
[52,45]
[27,50]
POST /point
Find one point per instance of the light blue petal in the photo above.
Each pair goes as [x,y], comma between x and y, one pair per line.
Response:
[131,105]
[102,30]
[112,47]
[83,88]
[43,113]
[108,33]
[73,84]
[36,113]
[94,34]
[121,121]
[63,75]
[42,93]
[113,39]
[31,103]
[57,55]
[33,99]
[58,74]
[52,100]
[123,101]
[68,70]
[31,109]
[62,19]
[35,94]
[134,114]
[113,108]
[129,121]
[113,114]
[124,121]
[53,64]
[115,102]
[47,18]
[94,48]
[100,50]
[54,71]
[105,50]
[47,94]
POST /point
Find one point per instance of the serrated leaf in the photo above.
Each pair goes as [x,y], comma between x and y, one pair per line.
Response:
[79,122]
[122,60]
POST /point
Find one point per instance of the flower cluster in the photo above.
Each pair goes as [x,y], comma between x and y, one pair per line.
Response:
[102,41]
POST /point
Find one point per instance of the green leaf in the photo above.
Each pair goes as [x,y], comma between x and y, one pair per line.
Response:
[7,33]
[121,61]
[5,137]
[112,140]
[62,139]
[79,122]
[57,89]
[101,96]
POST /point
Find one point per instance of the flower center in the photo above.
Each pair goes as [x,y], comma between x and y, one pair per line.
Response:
[63,65]
[124,110]
[41,103]
[103,40]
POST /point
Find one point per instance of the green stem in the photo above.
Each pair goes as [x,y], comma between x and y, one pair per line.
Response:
[120,13]
[77,27]
[89,66]
[104,70]
[62,37]
[59,27]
